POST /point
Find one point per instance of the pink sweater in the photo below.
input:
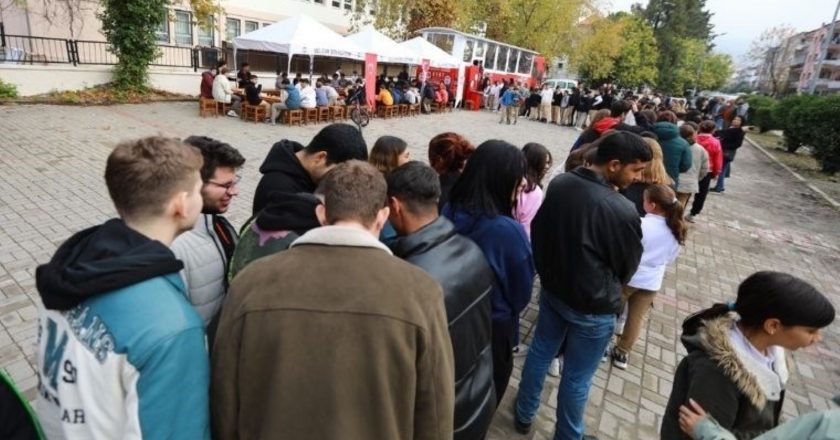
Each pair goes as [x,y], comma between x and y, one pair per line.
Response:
[526,208]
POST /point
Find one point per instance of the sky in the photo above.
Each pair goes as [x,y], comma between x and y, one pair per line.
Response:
[744,20]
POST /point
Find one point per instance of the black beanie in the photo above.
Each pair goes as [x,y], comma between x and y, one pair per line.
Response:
[342,142]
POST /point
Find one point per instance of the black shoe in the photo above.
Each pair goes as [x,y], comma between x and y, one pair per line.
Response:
[522,428]
[619,359]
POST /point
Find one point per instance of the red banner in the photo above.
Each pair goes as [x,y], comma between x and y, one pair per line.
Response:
[539,63]
[370,80]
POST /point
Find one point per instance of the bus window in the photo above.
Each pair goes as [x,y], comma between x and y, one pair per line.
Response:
[512,59]
[501,61]
[478,51]
[468,50]
[490,56]
[443,41]
[525,62]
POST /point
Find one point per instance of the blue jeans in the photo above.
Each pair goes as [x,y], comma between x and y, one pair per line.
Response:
[722,176]
[586,338]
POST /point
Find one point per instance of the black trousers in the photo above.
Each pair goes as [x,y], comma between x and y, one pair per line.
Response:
[700,197]
[502,347]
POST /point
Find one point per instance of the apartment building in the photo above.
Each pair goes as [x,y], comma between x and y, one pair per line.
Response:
[806,56]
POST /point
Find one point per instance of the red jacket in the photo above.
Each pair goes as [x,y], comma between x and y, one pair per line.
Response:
[712,146]
[207,85]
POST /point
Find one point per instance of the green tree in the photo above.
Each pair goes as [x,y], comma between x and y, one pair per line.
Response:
[400,19]
[716,68]
[621,49]
[546,26]
[636,62]
[696,67]
[595,56]
[129,28]
[673,22]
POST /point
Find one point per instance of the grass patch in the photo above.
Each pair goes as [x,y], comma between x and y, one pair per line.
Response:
[101,95]
[802,162]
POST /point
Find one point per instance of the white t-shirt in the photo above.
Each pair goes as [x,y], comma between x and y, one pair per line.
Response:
[660,249]
[547,96]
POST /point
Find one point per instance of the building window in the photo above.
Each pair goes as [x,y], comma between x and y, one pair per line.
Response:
[267,24]
[232,28]
[183,28]
[251,26]
[320,2]
[336,3]
[162,31]
[348,5]
[207,33]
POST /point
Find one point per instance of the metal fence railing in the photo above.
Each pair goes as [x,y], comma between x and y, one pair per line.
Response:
[34,50]
[25,49]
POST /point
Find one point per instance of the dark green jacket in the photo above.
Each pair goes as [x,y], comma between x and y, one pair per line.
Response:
[676,151]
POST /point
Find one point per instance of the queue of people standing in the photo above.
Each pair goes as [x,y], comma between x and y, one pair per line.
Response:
[370,296]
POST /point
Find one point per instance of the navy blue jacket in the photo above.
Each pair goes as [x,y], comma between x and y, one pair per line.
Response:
[506,247]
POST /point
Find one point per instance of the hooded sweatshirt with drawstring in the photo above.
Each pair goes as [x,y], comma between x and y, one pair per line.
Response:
[121,352]
[285,218]
[282,172]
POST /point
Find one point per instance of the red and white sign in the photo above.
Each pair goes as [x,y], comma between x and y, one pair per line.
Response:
[370,80]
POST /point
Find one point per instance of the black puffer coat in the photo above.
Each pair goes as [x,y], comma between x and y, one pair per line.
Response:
[467,280]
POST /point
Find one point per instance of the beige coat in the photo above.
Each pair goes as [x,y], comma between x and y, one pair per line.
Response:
[333,339]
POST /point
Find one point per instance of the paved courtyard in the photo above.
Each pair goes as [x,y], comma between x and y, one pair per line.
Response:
[53,157]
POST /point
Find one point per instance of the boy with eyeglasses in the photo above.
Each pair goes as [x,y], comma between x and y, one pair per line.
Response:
[207,248]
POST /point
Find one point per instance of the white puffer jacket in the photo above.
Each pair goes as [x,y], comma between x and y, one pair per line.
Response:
[205,264]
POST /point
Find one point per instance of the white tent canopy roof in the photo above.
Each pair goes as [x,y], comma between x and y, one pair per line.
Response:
[300,35]
[436,56]
[386,49]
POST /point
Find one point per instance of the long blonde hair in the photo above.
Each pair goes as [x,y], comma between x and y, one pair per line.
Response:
[654,172]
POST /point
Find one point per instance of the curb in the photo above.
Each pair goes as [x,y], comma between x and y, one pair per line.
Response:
[834,204]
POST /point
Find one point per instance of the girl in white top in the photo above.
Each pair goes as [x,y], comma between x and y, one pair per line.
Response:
[663,231]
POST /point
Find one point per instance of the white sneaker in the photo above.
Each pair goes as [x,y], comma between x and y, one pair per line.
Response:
[232,114]
[554,368]
[520,350]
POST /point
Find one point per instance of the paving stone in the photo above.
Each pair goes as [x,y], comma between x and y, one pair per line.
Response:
[767,220]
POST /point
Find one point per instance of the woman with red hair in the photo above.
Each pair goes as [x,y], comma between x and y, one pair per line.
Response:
[448,154]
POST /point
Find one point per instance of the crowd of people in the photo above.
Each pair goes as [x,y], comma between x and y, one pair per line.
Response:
[328,90]
[371,296]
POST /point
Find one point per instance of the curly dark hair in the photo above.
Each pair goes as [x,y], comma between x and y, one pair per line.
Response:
[216,154]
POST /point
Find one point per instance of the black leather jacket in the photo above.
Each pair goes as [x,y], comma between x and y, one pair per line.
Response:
[587,242]
[467,280]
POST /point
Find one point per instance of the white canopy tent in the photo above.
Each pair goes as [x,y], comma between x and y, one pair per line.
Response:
[386,49]
[299,35]
[436,56]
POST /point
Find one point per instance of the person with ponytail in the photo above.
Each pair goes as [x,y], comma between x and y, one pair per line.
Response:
[663,231]
[735,368]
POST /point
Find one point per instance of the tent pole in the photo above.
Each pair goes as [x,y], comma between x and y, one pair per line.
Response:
[311,66]
[289,69]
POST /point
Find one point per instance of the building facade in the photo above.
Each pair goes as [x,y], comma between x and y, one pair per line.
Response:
[178,27]
[806,57]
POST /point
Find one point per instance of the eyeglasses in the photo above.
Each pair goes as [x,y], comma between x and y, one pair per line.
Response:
[227,186]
